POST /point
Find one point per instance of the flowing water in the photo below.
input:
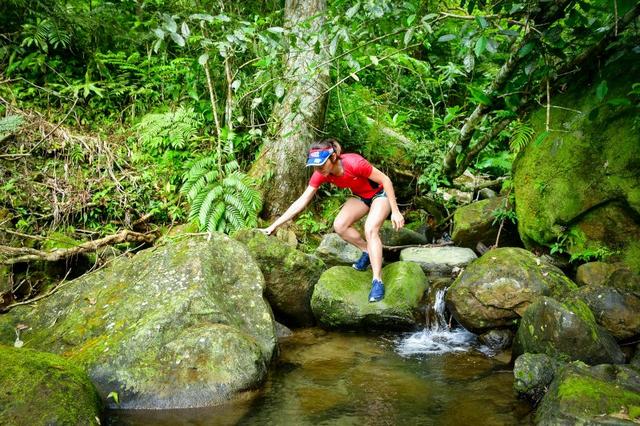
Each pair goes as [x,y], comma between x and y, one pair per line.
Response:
[436,376]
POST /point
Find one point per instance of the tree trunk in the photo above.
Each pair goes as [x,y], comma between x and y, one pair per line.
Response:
[301,113]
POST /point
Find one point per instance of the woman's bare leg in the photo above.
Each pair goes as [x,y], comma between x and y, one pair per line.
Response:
[352,211]
[379,211]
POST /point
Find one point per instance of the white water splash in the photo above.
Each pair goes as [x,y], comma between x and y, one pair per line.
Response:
[437,337]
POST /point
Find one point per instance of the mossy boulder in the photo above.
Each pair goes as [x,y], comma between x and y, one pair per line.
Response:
[40,388]
[533,374]
[474,223]
[289,276]
[438,261]
[583,179]
[180,325]
[335,251]
[340,298]
[567,331]
[596,273]
[582,395]
[618,311]
[495,290]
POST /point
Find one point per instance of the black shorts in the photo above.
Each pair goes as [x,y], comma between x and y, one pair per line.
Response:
[379,194]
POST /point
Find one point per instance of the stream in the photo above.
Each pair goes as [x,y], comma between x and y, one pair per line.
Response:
[437,376]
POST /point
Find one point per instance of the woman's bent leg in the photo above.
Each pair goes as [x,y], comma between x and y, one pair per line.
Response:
[379,211]
[352,211]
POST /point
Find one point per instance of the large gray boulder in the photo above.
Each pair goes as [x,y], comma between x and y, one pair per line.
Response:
[335,251]
[40,388]
[289,276]
[402,237]
[340,298]
[495,290]
[181,325]
[438,261]
[600,395]
[618,311]
[567,331]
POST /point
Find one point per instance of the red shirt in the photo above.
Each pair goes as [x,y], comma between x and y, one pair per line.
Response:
[355,176]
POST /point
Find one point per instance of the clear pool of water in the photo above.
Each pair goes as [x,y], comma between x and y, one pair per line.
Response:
[331,378]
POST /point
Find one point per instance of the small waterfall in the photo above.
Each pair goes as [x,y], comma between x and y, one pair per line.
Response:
[437,337]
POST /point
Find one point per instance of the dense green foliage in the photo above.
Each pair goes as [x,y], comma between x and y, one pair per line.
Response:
[167,87]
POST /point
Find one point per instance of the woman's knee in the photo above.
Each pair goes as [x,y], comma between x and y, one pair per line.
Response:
[371,230]
[340,226]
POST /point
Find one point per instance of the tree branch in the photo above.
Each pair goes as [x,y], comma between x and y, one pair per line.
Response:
[24,254]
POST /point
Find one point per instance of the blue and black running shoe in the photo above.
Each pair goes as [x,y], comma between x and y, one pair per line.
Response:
[377,291]
[363,263]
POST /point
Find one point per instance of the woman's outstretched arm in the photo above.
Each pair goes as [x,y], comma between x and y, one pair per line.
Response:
[296,207]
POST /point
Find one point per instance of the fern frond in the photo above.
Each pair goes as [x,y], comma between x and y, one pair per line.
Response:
[10,123]
[215,219]
[205,208]
[521,136]
[233,217]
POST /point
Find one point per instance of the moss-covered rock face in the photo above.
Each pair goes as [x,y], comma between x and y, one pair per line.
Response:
[533,373]
[579,395]
[289,276]
[179,325]
[567,331]
[495,290]
[45,389]
[584,177]
[340,299]
[401,237]
[473,223]
[618,311]
[595,273]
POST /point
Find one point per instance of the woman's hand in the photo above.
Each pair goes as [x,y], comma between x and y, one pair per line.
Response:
[267,231]
[397,220]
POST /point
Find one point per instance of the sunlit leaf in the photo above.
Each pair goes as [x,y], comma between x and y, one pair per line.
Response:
[446,37]
[203,58]
[481,45]
[601,90]
[352,10]
[177,38]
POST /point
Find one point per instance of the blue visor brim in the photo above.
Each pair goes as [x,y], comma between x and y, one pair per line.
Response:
[319,157]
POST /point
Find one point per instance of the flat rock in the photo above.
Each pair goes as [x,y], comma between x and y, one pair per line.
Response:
[438,261]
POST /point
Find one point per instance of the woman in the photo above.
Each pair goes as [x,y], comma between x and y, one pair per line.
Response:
[375,197]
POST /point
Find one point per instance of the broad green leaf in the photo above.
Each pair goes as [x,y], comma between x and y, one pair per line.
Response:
[114,396]
[525,50]
[374,60]
[185,30]
[601,90]
[334,44]
[541,137]
[223,18]
[482,22]
[201,17]
[619,102]
[170,23]
[528,69]
[446,37]
[276,30]
[481,45]
[408,36]
[354,76]
[479,96]
[353,10]
[235,85]
[159,33]
[469,62]
[203,58]
[510,33]
[492,45]
[410,20]
[177,38]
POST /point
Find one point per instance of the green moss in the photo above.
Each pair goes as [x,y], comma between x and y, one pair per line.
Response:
[42,388]
[586,394]
[632,256]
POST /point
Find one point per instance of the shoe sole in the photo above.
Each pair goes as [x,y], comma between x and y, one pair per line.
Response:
[372,300]
[358,269]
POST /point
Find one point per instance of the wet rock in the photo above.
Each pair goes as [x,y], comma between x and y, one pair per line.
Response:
[618,311]
[289,276]
[335,251]
[340,298]
[595,273]
[497,340]
[474,223]
[495,290]
[582,395]
[438,261]
[567,331]
[486,193]
[635,361]
[181,325]
[282,331]
[40,388]
[533,374]
[402,237]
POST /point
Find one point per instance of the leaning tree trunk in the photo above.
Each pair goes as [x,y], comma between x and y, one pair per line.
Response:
[301,113]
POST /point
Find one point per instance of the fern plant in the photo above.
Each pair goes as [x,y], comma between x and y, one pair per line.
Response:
[169,130]
[221,200]
[9,124]
[521,135]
